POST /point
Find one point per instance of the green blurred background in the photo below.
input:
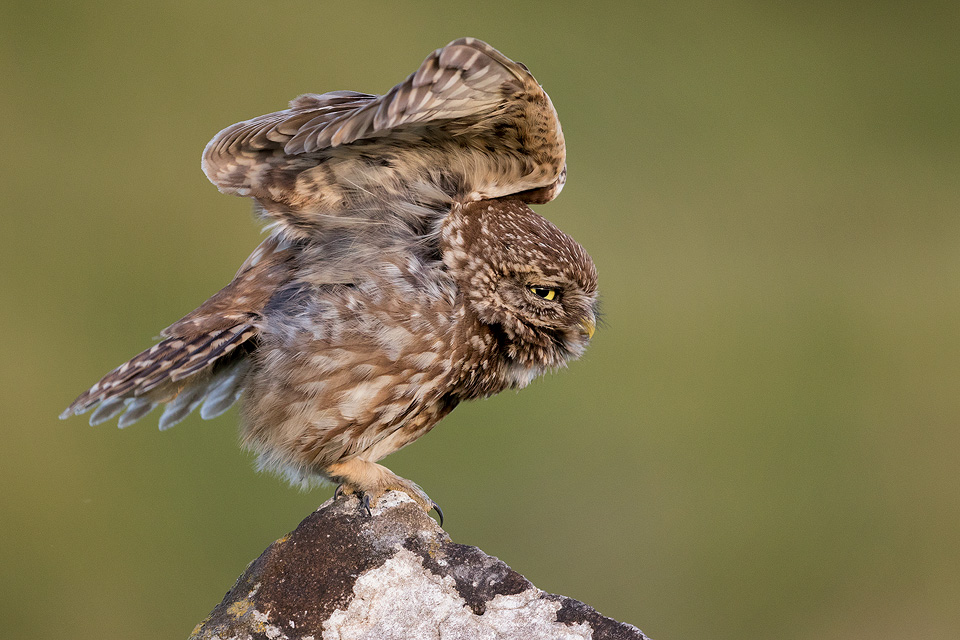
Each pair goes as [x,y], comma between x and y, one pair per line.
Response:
[762,441]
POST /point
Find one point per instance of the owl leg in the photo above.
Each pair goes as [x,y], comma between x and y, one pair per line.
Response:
[357,475]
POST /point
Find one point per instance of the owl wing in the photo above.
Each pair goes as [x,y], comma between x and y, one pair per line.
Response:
[466,99]
[202,358]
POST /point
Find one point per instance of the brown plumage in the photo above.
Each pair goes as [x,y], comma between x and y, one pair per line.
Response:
[404,274]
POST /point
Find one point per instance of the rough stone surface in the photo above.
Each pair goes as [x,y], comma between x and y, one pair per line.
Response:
[343,575]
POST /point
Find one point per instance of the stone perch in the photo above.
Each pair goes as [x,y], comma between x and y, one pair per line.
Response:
[344,575]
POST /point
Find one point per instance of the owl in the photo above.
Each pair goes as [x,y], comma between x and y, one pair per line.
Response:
[404,273]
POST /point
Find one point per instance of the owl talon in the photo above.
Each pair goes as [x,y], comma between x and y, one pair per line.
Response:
[420,497]
[365,505]
[343,489]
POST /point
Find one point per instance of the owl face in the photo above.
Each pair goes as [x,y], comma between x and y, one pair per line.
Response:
[548,315]
[526,279]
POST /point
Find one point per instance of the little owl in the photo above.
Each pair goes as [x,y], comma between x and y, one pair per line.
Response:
[404,273]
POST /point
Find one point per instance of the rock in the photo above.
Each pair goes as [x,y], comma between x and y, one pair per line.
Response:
[344,575]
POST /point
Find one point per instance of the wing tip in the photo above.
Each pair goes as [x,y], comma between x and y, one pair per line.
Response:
[78,407]
[517,69]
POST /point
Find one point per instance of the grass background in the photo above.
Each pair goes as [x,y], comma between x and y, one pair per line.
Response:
[763,440]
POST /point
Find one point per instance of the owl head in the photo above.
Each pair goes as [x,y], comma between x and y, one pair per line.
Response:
[531,283]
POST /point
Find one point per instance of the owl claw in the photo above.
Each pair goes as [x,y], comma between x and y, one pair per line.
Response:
[343,489]
[420,497]
[365,501]
[439,511]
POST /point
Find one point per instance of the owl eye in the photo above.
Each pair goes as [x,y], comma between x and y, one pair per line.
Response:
[543,292]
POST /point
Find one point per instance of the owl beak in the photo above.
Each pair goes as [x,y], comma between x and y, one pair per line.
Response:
[589,325]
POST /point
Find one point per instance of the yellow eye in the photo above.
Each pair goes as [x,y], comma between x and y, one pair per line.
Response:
[544,292]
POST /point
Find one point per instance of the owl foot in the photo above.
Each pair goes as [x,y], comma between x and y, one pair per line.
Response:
[372,480]
[419,497]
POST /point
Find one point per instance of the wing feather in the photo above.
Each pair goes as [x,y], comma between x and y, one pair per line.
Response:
[468,108]
[203,356]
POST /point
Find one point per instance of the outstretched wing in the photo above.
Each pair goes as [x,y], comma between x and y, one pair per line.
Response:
[203,357]
[469,121]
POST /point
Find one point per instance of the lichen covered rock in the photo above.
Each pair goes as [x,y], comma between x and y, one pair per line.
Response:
[343,575]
